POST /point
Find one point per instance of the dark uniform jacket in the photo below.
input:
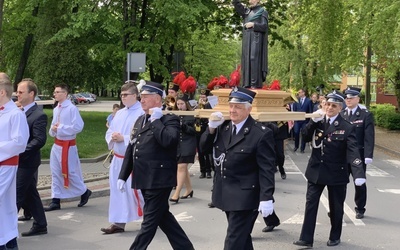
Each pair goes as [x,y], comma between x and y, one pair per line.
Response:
[37,122]
[151,155]
[244,168]
[328,165]
[365,131]
[187,136]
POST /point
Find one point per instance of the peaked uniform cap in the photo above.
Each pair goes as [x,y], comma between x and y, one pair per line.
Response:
[351,92]
[335,96]
[241,95]
[151,88]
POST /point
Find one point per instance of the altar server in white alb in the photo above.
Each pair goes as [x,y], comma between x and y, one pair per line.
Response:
[66,173]
[13,140]
[124,206]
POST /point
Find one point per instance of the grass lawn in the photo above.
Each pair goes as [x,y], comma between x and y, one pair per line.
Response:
[90,141]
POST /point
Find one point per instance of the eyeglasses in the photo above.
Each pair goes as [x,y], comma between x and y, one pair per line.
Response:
[333,105]
[125,95]
[58,92]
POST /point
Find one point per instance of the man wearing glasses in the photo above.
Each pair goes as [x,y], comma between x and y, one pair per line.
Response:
[66,173]
[365,133]
[124,206]
[333,138]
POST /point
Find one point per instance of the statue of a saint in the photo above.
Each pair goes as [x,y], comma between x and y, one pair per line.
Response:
[254,44]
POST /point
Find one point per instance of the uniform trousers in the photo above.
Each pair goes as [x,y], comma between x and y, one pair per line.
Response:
[280,155]
[28,195]
[156,214]
[360,196]
[205,159]
[272,220]
[336,197]
[240,225]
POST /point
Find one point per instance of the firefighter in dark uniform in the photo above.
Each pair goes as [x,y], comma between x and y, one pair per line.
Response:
[205,158]
[365,132]
[332,138]
[151,159]
[244,158]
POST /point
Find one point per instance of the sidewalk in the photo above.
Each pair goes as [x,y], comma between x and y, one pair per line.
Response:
[96,175]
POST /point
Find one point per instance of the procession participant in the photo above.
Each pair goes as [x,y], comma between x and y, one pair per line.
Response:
[66,173]
[124,206]
[151,159]
[30,160]
[304,105]
[244,167]
[186,149]
[334,146]
[205,158]
[365,134]
[13,140]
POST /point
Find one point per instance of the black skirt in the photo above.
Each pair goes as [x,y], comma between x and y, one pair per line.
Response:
[186,159]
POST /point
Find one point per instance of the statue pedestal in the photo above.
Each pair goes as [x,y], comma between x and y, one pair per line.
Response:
[268,105]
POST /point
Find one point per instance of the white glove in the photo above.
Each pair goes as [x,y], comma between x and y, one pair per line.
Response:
[367,161]
[359,181]
[121,185]
[216,119]
[266,208]
[156,114]
[321,114]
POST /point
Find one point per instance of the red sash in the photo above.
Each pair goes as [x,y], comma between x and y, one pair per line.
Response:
[119,156]
[64,157]
[13,161]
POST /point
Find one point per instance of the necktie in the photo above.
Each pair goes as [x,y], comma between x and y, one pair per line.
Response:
[350,113]
[327,124]
[146,119]
[233,133]
[2,107]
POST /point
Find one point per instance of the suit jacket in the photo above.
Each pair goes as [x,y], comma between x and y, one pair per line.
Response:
[151,155]
[244,168]
[365,130]
[307,106]
[328,165]
[187,136]
[37,122]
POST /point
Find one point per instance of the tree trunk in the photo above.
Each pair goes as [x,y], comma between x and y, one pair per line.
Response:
[368,77]
[25,54]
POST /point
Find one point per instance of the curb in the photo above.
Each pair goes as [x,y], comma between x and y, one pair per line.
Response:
[387,150]
[83,160]
[95,194]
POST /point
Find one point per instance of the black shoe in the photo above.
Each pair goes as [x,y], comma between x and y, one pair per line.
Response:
[11,245]
[211,205]
[303,243]
[269,228]
[209,176]
[24,218]
[85,198]
[283,176]
[202,175]
[187,196]
[35,231]
[332,243]
[174,200]
[359,215]
[295,149]
[52,206]
[302,151]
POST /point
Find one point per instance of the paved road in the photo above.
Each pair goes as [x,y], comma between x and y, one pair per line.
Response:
[79,228]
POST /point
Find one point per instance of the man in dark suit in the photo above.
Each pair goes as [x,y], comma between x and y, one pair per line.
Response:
[151,159]
[29,161]
[365,132]
[333,138]
[244,160]
[304,105]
